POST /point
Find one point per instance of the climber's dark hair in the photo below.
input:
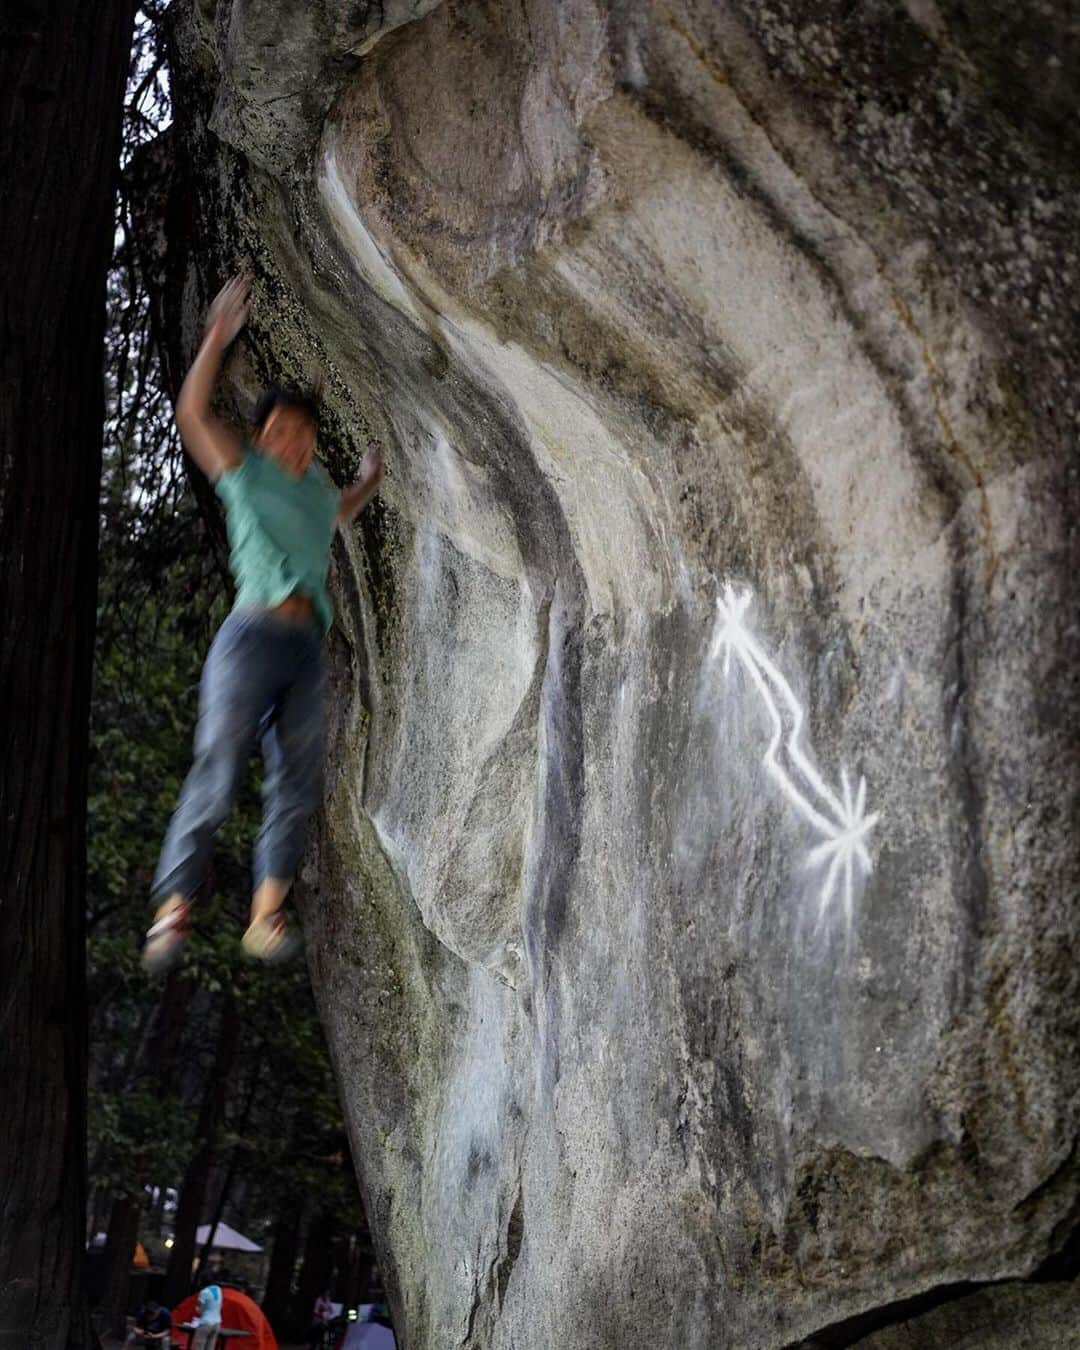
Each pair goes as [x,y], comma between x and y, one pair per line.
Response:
[285,396]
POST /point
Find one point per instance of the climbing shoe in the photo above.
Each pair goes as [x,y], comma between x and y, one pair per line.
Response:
[165,940]
[270,939]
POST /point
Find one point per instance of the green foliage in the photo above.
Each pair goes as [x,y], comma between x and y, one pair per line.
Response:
[139,1133]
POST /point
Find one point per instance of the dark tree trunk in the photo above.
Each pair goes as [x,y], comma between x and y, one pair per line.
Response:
[279,1278]
[338,1274]
[351,1286]
[164,204]
[317,1268]
[119,1250]
[62,71]
[98,1216]
[163,1043]
[193,1192]
[229,1179]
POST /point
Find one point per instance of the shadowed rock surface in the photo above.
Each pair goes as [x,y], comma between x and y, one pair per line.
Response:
[694,910]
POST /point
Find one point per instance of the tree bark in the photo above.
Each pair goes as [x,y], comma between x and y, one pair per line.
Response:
[279,1278]
[119,1250]
[62,72]
[164,209]
[354,1264]
[234,1161]
[98,1216]
[317,1270]
[193,1192]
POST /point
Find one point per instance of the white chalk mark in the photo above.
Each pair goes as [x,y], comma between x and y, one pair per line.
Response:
[841,820]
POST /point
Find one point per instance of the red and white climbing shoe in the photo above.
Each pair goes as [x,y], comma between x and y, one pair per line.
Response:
[269,939]
[165,939]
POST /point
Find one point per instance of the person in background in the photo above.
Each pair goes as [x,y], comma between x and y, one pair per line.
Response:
[207,1317]
[153,1327]
[322,1316]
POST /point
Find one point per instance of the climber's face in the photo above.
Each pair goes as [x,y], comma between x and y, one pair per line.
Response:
[288,434]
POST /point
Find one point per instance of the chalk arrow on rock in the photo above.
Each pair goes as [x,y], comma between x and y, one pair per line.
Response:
[841,820]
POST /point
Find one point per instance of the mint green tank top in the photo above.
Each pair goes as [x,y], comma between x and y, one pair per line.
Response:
[280,531]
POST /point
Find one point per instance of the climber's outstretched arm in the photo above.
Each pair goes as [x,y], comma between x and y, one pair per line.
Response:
[357,495]
[210,442]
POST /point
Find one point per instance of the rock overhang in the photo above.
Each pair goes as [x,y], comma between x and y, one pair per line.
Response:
[692,907]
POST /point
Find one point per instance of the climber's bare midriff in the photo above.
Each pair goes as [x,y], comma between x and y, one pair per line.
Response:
[297,607]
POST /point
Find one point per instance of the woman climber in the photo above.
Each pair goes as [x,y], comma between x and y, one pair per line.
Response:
[263,678]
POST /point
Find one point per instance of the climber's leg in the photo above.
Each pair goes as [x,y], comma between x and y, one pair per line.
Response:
[236,687]
[292,747]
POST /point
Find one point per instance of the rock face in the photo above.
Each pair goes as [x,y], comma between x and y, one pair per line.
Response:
[694,913]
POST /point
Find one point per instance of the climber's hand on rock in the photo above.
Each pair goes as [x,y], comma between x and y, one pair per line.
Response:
[212,443]
[357,495]
[229,310]
[371,466]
